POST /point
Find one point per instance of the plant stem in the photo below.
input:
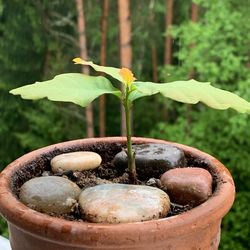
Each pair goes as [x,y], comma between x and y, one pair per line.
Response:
[130,153]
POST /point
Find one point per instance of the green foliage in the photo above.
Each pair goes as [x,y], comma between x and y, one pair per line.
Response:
[147,33]
[220,42]
[235,225]
[26,54]
[48,123]
[10,121]
[3,228]
[21,59]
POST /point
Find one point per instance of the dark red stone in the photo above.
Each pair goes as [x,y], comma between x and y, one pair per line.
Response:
[190,186]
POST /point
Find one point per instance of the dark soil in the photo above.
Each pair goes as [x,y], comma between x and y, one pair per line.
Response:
[106,173]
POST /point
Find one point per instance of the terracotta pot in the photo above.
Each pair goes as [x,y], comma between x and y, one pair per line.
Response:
[198,228]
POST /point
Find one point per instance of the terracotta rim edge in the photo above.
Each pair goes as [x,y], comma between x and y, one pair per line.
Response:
[17,213]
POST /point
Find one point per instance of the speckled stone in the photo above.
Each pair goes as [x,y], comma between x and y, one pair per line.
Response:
[117,203]
[75,161]
[188,186]
[153,159]
[50,194]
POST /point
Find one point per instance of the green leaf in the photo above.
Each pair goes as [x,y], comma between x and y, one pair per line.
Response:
[136,95]
[114,72]
[72,87]
[193,92]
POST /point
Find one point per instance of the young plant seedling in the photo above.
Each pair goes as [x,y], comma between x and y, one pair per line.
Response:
[83,89]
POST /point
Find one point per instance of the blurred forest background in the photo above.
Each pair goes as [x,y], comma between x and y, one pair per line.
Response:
[161,40]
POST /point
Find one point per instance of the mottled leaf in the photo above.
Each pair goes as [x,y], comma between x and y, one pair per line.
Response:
[72,87]
[193,92]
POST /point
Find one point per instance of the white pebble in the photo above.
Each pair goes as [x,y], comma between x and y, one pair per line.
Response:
[75,161]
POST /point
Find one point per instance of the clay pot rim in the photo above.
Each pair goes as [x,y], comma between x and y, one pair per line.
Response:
[32,222]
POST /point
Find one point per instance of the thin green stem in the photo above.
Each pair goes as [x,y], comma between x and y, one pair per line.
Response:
[131,155]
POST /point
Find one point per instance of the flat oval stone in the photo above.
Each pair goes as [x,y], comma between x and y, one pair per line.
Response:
[75,161]
[50,194]
[117,203]
[188,186]
[152,160]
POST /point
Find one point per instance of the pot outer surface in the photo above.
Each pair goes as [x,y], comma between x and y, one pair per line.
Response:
[198,228]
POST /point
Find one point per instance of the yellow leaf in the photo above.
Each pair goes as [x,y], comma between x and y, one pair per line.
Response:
[127,76]
[78,60]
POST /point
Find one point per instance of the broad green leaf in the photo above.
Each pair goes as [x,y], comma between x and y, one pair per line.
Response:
[114,72]
[136,95]
[193,92]
[72,87]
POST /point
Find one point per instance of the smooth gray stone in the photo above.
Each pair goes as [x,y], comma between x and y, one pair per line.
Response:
[120,203]
[152,160]
[51,194]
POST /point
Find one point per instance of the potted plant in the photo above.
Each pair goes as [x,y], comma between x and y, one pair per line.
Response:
[198,228]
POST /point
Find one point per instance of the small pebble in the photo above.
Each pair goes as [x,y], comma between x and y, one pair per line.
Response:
[120,203]
[188,186]
[153,182]
[46,173]
[50,194]
[75,161]
[152,160]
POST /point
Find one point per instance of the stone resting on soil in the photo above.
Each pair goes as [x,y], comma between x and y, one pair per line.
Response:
[117,202]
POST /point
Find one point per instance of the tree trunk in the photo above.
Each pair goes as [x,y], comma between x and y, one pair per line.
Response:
[168,41]
[195,12]
[168,47]
[153,42]
[125,45]
[194,18]
[154,63]
[83,53]
[45,21]
[104,28]
[191,75]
